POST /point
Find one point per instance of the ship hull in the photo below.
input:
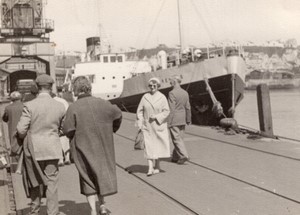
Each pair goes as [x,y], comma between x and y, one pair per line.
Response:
[228,90]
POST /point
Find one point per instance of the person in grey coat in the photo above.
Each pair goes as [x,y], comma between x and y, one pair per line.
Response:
[90,123]
[12,114]
[180,115]
[41,121]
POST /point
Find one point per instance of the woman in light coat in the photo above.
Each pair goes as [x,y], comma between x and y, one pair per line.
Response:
[152,114]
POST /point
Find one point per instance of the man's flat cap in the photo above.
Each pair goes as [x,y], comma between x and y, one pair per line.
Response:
[44,79]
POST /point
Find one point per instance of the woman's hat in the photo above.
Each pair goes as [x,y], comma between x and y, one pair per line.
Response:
[155,80]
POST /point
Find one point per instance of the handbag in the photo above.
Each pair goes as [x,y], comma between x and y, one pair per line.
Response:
[139,141]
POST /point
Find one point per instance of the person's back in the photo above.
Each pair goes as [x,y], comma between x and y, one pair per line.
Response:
[45,117]
[90,114]
[89,124]
[179,114]
[40,121]
[12,113]
[95,119]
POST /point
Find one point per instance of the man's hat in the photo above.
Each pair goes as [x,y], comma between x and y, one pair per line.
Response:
[44,79]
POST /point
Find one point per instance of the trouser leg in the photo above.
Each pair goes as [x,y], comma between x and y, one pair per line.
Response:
[179,151]
[65,147]
[35,196]
[51,174]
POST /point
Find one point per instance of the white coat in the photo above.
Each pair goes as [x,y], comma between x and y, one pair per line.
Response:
[157,144]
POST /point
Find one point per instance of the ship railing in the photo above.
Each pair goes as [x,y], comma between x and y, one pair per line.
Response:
[219,51]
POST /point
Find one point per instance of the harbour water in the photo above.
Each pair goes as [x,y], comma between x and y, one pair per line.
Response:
[285,105]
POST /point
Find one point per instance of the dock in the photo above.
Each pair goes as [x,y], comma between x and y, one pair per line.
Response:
[226,175]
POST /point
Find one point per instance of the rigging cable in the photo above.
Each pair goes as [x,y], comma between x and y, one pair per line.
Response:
[138,38]
[154,23]
[152,26]
[202,20]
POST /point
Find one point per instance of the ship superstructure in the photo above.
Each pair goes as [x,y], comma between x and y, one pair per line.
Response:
[107,70]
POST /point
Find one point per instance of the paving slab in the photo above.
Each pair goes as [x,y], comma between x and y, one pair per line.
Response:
[233,179]
[222,178]
[4,194]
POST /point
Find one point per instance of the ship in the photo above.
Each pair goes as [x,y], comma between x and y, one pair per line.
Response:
[214,81]
[215,85]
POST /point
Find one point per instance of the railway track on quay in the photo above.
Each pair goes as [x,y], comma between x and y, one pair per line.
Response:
[216,180]
[216,171]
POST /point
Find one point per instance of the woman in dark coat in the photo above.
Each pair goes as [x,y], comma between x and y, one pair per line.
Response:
[90,123]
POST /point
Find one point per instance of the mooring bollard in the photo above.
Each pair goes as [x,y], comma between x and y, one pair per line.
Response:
[264,110]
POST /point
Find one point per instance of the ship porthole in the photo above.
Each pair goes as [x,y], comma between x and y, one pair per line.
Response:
[114,95]
[103,78]
[107,96]
[114,77]
[123,77]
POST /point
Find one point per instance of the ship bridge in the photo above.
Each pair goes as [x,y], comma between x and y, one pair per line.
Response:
[25,47]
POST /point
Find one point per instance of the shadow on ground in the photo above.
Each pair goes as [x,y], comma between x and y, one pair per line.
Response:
[66,208]
[3,182]
[137,169]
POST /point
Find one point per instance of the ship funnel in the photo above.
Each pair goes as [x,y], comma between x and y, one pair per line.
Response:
[162,59]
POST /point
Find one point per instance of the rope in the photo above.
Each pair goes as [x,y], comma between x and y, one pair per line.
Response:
[217,107]
[124,107]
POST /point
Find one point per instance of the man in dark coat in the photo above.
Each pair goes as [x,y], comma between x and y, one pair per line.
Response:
[180,115]
[12,114]
[90,123]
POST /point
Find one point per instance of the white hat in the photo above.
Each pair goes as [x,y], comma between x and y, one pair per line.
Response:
[155,80]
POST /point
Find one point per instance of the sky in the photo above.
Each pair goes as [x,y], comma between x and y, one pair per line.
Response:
[140,24]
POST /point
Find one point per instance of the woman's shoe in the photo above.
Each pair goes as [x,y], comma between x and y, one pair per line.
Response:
[104,211]
[152,172]
[156,171]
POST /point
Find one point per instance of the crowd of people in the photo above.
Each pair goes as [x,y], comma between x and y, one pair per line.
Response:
[46,132]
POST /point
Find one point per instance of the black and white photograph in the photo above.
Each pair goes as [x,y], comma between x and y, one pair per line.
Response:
[149,107]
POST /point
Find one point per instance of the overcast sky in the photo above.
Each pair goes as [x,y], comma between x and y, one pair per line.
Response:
[146,23]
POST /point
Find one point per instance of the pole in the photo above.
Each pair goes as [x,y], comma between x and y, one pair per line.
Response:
[264,110]
[179,26]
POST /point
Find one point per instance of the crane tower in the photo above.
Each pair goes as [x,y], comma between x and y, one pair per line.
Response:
[25,47]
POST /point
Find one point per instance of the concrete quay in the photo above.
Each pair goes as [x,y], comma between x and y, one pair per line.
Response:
[227,175]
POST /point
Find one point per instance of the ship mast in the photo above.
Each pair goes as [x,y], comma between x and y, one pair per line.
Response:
[179,26]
